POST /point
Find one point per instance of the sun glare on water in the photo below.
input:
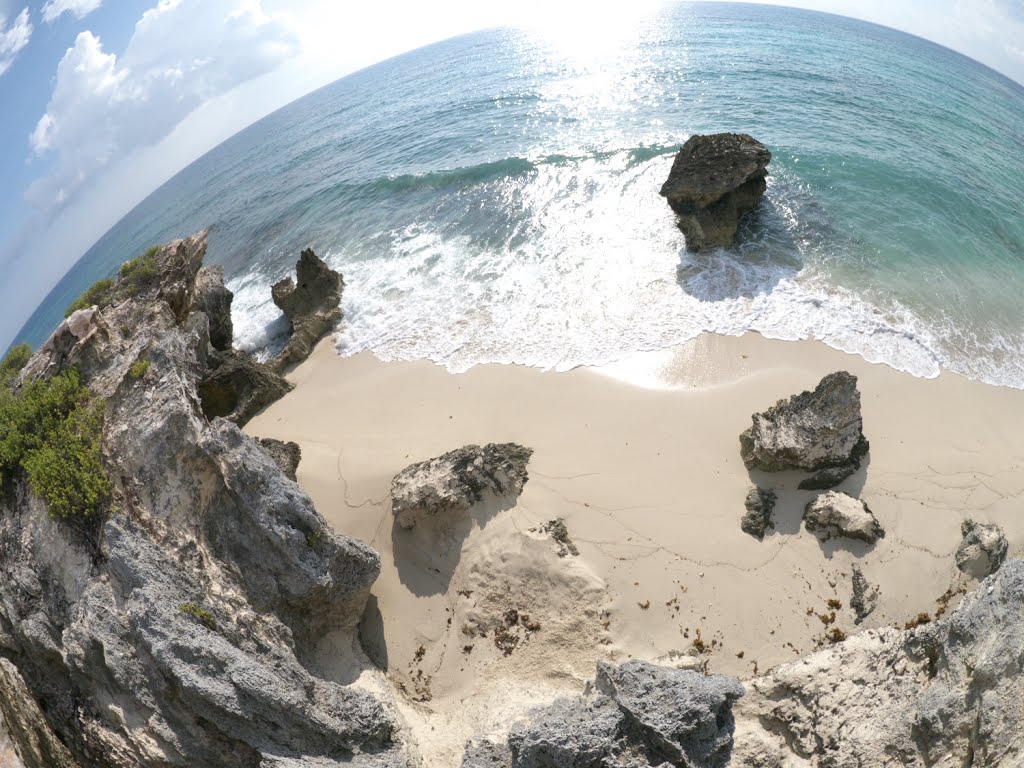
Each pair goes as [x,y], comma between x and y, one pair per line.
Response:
[587,33]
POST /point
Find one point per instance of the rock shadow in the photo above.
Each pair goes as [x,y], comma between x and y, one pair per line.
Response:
[427,554]
[765,255]
[371,634]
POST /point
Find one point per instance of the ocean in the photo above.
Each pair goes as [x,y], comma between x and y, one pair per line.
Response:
[494,197]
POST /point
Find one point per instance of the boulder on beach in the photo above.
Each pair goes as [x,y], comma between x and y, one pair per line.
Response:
[834,514]
[982,550]
[811,431]
[713,181]
[457,480]
[311,305]
[760,504]
[864,595]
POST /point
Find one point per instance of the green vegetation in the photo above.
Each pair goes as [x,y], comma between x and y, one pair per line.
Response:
[139,369]
[200,614]
[135,277]
[313,539]
[12,364]
[98,294]
[52,432]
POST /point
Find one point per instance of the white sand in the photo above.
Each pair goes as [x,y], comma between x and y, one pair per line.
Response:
[651,486]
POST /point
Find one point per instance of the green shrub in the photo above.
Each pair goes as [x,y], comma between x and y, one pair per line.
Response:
[52,431]
[98,294]
[200,614]
[12,364]
[140,274]
[139,369]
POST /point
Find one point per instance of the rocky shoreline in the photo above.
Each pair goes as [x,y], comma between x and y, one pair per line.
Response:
[184,621]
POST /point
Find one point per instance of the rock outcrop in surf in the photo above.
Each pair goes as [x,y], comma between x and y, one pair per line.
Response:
[311,304]
[811,431]
[457,480]
[713,181]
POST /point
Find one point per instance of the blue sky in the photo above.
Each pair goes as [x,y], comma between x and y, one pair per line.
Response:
[101,101]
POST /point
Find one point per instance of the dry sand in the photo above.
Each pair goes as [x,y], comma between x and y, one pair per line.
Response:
[651,487]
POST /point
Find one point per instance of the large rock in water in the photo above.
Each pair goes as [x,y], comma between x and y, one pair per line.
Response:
[311,305]
[713,181]
[810,431]
[944,695]
[457,480]
[639,715]
[169,632]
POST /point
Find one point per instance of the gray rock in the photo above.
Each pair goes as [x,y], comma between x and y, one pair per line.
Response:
[237,386]
[170,633]
[983,549]
[810,431]
[760,504]
[559,534]
[829,477]
[26,740]
[311,305]
[286,455]
[570,733]
[865,595]
[684,717]
[945,694]
[833,514]
[713,181]
[486,754]
[213,299]
[457,480]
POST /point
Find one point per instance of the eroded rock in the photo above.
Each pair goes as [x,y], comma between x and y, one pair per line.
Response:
[810,431]
[829,477]
[213,299]
[983,549]
[311,304]
[945,694]
[834,514]
[26,740]
[864,597]
[760,504]
[286,455]
[713,181]
[237,386]
[458,480]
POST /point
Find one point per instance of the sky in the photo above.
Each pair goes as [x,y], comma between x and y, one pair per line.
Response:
[101,101]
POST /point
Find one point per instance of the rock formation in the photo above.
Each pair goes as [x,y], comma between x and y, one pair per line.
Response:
[30,740]
[834,514]
[945,694]
[236,386]
[864,596]
[458,480]
[168,630]
[213,299]
[829,477]
[311,305]
[639,715]
[713,181]
[982,550]
[810,431]
[760,504]
[286,455]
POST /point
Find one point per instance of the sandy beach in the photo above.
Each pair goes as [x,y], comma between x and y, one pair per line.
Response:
[646,474]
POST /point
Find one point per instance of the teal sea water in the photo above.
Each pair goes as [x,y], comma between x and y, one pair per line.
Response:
[493,198]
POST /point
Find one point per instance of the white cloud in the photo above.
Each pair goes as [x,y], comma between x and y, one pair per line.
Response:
[13,38]
[80,8]
[182,54]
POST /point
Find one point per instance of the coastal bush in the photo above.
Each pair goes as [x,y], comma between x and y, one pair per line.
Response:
[139,369]
[52,432]
[12,364]
[140,274]
[200,614]
[97,294]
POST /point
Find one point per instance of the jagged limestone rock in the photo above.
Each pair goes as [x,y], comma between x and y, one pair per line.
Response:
[311,305]
[26,740]
[170,632]
[829,477]
[637,714]
[983,549]
[713,181]
[286,455]
[942,695]
[864,598]
[810,431]
[833,514]
[760,504]
[457,480]
[213,299]
[237,386]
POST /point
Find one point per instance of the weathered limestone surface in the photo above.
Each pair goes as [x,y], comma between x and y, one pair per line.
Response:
[311,304]
[942,695]
[457,480]
[213,299]
[170,633]
[760,503]
[810,431]
[713,181]
[983,549]
[834,514]
[286,455]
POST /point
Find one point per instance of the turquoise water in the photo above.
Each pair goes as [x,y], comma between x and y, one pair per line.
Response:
[493,198]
